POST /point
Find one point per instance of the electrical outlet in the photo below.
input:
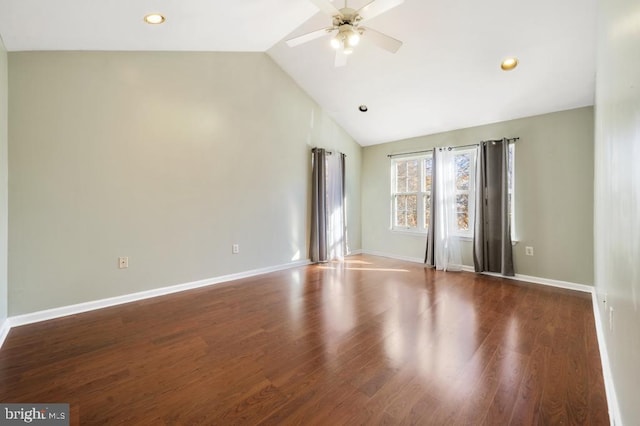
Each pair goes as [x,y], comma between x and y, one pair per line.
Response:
[528,251]
[235,249]
[123,262]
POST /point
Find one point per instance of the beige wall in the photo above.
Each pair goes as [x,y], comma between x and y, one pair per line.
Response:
[554,193]
[617,196]
[4,95]
[167,158]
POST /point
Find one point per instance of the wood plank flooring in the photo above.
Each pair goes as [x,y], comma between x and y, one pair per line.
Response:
[365,341]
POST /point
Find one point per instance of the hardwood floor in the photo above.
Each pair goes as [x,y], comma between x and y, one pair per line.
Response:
[367,341]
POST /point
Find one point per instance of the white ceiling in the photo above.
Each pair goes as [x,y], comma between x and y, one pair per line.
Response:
[446,76]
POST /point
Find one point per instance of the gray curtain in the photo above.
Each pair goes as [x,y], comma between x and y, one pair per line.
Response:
[492,251]
[328,215]
[430,254]
[318,250]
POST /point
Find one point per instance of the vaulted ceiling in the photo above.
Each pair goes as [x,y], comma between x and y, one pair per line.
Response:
[446,75]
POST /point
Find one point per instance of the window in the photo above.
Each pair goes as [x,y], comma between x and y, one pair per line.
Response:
[411,193]
[465,161]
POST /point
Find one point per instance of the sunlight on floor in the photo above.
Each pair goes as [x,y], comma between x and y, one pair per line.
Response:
[345,264]
[359,262]
[364,269]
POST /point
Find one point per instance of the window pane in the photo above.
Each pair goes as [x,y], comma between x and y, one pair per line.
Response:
[462,210]
[401,184]
[463,221]
[409,177]
[406,211]
[427,209]
[412,211]
[428,168]
[401,176]
[413,176]
[400,208]
[463,163]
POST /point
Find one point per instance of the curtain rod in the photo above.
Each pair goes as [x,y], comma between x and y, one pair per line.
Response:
[328,152]
[454,147]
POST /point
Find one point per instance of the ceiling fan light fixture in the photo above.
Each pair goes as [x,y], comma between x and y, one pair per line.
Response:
[353,39]
[154,18]
[336,43]
[348,50]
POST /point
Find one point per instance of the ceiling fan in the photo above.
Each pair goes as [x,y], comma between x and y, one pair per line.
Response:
[346,29]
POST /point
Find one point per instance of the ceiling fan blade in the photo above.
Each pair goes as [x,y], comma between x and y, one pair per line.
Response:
[292,42]
[382,40]
[377,7]
[326,7]
[341,58]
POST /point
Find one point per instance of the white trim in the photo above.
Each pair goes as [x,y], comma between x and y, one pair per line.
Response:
[4,330]
[118,300]
[518,277]
[615,418]
[544,281]
[467,268]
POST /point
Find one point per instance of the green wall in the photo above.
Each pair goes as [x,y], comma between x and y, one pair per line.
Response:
[167,158]
[554,194]
[617,196]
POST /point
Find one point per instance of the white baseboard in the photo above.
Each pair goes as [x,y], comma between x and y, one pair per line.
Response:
[612,399]
[545,281]
[5,327]
[518,277]
[118,300]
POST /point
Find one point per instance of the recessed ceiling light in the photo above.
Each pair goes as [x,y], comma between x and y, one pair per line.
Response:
[154,18]
[509,63]
[363,108]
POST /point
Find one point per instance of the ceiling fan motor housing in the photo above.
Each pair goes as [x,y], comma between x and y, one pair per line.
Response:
[347,16]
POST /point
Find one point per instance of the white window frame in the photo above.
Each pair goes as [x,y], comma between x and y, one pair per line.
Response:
[421,194]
